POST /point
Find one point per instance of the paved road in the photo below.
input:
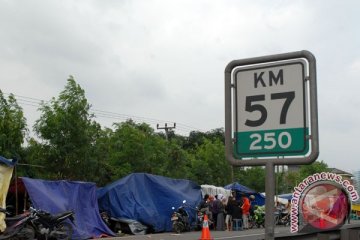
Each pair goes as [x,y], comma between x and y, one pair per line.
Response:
[248,234]
[251,234]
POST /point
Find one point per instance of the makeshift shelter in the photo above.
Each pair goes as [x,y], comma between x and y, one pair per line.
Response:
[16,198]
[213,190]
[241,189]
[287,196]
[278,198]
[148,199]
[60,196]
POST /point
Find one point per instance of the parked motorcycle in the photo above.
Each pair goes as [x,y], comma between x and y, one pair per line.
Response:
[180,219]
[282,217]
[258,219]
[18,227]
[122,226]
[199,219]
[38,224]
[200,214]
[50,226]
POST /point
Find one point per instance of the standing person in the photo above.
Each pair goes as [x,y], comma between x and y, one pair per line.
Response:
[204,202]
[287,210]
[245,211]
[234,195]
[230,209]
[204,206]
[288,206]
[215,209]
[211,209]
[252,204]
[220,221]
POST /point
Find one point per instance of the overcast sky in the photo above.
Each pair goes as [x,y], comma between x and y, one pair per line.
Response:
[163,60]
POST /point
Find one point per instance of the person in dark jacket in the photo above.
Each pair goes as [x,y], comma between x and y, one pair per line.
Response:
[215,205]
[204,206]
[230,209]
[220,221]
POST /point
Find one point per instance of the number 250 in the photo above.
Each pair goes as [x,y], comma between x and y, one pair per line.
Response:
[251,107]
[271,141]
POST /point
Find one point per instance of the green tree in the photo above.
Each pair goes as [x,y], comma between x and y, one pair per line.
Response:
[252,177]
[68,134]
[12,127]
[178,160]
[101,152]
[315,167]
[197,138]
[209,165]
[136,148]
[286,181]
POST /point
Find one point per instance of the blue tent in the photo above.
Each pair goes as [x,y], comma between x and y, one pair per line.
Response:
[287,196]
[241,188]
[148,198]
[259,198]
[59,196]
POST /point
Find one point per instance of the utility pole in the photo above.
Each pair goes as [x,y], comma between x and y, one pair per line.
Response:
[166,128]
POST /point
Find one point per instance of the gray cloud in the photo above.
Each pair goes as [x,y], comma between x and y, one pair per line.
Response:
[165,60]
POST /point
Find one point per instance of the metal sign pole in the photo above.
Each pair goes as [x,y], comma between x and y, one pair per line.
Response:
[269,202]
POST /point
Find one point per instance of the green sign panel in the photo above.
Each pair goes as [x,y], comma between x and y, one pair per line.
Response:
[278,142]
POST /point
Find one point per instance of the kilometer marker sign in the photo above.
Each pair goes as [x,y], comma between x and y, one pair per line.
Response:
[270,104]
[271,110]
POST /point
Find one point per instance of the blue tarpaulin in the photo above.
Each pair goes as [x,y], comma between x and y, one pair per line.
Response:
[148,198]
[8,162]
[259,198]
[60,196]
[287,196]
[241,188]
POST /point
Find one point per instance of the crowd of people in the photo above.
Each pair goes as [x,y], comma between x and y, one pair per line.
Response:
[222,211]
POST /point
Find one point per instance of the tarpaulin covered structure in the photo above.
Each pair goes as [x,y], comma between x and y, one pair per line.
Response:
[148,198]
[287,196]
[60,196]
[259,198]
[214,190]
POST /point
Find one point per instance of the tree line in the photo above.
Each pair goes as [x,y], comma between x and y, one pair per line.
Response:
[69,144]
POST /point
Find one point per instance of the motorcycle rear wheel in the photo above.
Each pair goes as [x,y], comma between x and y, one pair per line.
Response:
[251,222]
[178,227]
[63,231]
[7,235]
[26,232]
[277,220]
[199,226]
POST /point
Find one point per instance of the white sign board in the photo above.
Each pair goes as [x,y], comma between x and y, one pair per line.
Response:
[270,105]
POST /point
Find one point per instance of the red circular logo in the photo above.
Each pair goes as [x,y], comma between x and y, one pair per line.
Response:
[324,206]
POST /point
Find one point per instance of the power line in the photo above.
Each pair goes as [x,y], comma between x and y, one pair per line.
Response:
[28,104]
[106,114]
[19,96]
[36,102]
